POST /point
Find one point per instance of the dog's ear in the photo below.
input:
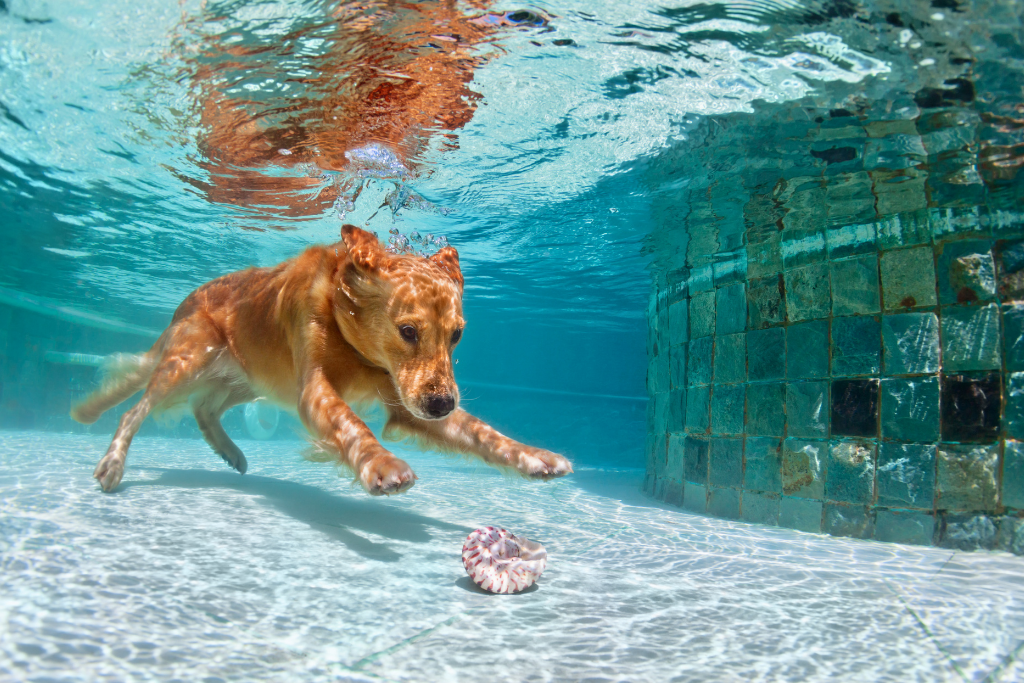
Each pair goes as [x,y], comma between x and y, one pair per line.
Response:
[447,259]
[363,248]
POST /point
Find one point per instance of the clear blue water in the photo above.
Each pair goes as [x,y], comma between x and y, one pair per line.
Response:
[147,147]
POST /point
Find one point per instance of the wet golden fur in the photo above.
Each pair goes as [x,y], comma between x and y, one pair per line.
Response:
[318,334]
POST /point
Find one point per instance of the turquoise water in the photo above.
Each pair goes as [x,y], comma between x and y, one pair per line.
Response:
[580,156]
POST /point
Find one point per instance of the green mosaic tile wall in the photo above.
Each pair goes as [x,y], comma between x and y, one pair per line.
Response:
[863,381]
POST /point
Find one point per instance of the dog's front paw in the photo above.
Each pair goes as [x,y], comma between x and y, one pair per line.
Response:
[537,463]
[384,474]
[109,472]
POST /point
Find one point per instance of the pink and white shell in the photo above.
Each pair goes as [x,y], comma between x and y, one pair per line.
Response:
[500,562]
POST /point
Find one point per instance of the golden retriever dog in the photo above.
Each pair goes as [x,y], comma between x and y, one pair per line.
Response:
[338,326]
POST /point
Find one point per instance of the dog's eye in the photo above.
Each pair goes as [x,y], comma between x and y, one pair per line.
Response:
[456,336]
[408,333]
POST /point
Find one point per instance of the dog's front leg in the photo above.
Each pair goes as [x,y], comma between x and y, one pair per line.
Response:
[331,419]
[463,433]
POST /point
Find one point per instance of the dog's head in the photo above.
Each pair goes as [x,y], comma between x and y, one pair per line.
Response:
[403,313]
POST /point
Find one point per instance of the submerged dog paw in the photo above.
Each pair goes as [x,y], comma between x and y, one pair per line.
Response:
[385,474]
[109,472]
[537,463]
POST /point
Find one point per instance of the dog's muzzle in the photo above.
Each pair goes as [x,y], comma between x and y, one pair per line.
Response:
[437,406]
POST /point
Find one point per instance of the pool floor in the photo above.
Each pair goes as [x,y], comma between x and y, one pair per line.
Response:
[192,572]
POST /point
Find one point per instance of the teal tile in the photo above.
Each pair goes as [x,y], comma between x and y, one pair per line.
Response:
[1010,261]
[764,255]
[674,460]
[676,410]
[1013,336]
[672,492]
[906,475]
[910,342]
[912,227]
[702,315]
[1013,419]
[910,409]
[731,307]
[725,468]
[800,514]
[856,346]
[807,293]
[677,355]
[766,354]
[699,361]
[850,476]
[851,521]
[766,405]
[724,503]
[1013,475]
[695,497]
[904,526]
[731,358]
[855,285]
[695,460]
[765,302]
[803,468]
[807,409]
[807,350]
[698,404]
[966,272]
[847,240]
[970,338]
[908,278]
[677,319]
[727,406]
[763,465]
[760,508]
[966,477]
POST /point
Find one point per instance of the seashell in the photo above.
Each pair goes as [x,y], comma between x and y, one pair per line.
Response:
[501,562]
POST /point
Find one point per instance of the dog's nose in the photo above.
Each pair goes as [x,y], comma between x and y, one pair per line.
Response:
[439,405]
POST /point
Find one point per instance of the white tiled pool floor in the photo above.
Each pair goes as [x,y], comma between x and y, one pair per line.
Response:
[192,572]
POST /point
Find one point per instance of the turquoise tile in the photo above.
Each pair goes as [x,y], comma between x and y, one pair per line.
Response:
[1013,419]
[763,467]
[856,346]
[970,338]
[731,307]
[698,404]
[855,285]
[1013,336]
[699,362]
[727,405]
[803,244]
[702,315]
[911,343]
[852,521]
[765,304]
[731,358]
[847,240]
[760,508]
[803,468]
[966,477]
[725,467]
[908,278]
[807,293]
[677,319]
[1010,260]
[906,475]
[904,526]
[800,514]
[764,255]
[724,503]
[910,409]
[850,476]
[905,229]
[695,497]
[677,355]
[695,460]
[1013,475]
[766,405]
[807,350]
[966,272]
[674,460]
[672,492]
[766,354]
[807,409]
[676,410]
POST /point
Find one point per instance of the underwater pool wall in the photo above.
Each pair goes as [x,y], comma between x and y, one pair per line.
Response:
[861,378]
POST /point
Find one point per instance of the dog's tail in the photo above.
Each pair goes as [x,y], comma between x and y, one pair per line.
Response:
[122,375]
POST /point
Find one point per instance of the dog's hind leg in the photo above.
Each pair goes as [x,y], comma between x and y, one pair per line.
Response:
[208,412]
[124,375]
